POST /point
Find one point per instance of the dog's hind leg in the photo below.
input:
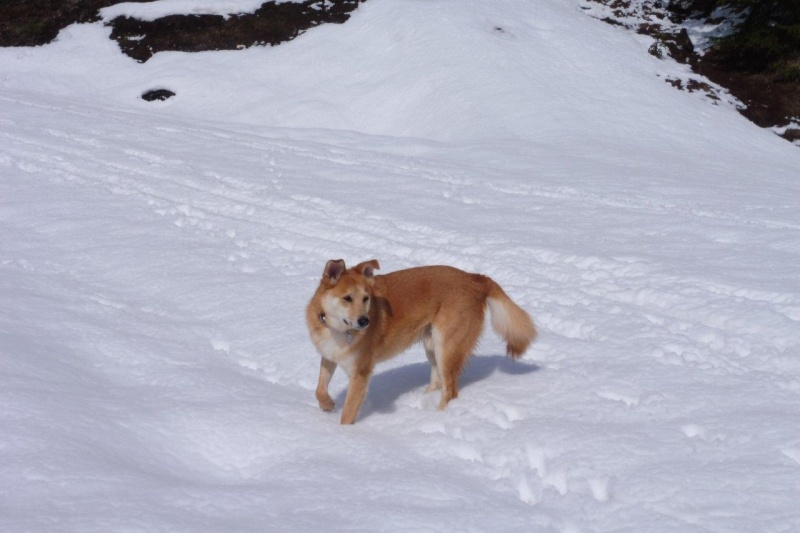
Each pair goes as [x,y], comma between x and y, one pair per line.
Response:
[430,352]
[453,344]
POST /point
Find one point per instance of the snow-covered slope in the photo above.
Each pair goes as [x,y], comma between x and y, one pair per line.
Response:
[156,259]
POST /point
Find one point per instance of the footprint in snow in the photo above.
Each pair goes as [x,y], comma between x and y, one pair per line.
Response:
[628,400]
[792,453]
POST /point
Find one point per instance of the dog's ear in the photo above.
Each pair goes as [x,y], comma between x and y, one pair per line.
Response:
[333,270]
[367,268]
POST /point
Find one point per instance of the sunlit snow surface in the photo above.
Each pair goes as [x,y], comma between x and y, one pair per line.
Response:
[153,10]
[155,261]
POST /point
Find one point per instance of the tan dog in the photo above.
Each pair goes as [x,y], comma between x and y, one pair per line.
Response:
[357,319]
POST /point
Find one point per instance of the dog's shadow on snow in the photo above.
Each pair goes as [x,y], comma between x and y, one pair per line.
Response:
[386,387]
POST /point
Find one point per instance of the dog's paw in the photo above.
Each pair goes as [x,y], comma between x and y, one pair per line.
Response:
[326,403]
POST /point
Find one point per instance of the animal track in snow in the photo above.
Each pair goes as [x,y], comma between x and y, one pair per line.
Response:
[693,430]
[500,414]
[538,461]
[628,400]
[600,488]
[792,453]
[221,345]
[696,431]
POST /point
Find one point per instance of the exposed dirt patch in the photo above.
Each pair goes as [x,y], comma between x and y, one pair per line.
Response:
[792,136]
[37,22]
[271,24]
[770,101]
[692,85]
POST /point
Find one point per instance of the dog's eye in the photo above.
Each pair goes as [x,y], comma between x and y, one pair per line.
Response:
[348,299]
[366,299]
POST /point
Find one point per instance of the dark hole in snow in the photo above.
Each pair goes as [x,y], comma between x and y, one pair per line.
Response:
[157,94]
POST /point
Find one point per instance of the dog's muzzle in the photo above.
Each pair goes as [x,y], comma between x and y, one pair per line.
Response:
[360,324]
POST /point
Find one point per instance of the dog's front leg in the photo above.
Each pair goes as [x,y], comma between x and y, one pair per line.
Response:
[326,370]
[356,392]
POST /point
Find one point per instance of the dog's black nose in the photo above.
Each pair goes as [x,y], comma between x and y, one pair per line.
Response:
[363,322]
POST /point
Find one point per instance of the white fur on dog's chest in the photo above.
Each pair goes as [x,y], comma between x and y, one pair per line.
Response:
[333,346]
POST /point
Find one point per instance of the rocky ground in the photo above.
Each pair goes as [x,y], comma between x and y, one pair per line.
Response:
[767,98]
[22,24]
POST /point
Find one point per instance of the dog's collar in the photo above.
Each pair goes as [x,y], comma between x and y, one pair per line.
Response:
[349,334]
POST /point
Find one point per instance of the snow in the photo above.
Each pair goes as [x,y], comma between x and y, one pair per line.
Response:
[156,9]
[156,259]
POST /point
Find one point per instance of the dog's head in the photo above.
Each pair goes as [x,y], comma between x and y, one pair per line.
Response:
[347,294]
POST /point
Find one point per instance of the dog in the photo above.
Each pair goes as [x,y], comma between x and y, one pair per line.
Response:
[357,319]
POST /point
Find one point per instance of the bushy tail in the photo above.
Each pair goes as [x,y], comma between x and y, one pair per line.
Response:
[510,321]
